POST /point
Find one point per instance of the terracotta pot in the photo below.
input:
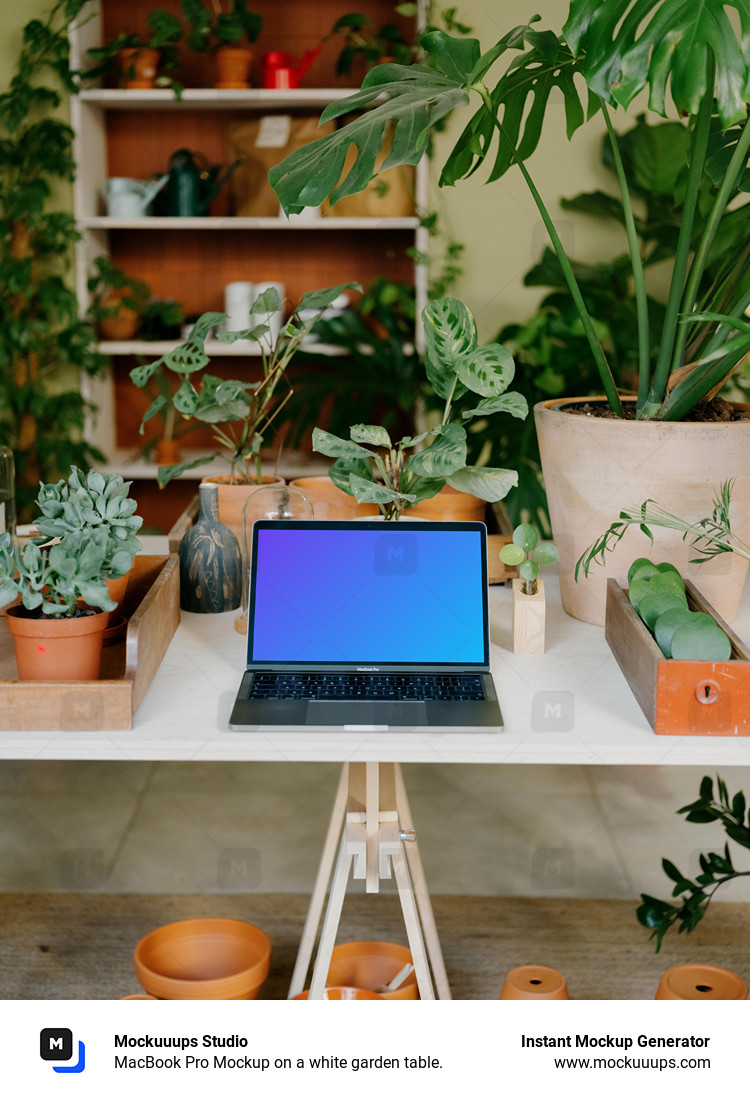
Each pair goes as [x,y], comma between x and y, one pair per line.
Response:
[233,64]
[695,982]
[122,324]
[167,452]
[450,504]
[369,964]
[594,467]
[139,997]
[534,983]
[341,993]
[138,67]
[330,502]
[232,497]
[117,587]
[57,649]
[206,959]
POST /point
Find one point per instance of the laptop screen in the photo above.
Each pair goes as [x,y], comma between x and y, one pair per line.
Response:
[366,593]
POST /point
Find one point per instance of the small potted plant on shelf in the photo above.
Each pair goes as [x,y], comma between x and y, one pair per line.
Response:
[241,413]
[374,45]
[117,300]
[716,868]
[398,475]
[141,57]
[227,28]
[528,552]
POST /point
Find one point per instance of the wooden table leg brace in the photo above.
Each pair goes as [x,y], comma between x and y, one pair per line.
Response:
[371,826]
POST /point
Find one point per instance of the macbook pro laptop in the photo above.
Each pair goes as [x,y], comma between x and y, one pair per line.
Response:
[367,625]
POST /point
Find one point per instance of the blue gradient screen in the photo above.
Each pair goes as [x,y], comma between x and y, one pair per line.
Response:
[367,596]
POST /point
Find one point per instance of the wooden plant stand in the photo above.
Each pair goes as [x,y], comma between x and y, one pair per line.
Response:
[528,618]
[371,826]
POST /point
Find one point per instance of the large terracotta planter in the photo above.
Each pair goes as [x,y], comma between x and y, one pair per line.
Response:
[212,958]
[57,649]
[594,467]
[232,65]
[330,502]
[232,497]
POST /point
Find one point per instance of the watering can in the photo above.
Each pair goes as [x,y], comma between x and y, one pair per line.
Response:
[193,184]
[282,70]
[128,198]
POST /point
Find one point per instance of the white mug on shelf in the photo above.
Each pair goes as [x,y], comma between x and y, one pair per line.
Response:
[238,297]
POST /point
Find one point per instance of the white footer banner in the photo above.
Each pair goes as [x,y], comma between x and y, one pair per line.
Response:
[368,1049]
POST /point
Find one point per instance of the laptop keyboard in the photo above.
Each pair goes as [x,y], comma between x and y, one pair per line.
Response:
[443,687]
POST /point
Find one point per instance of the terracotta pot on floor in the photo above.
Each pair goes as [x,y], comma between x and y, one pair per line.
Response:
[369,964]
[57,649]
[212,958]
[700,982]
[341,993]
[534,983]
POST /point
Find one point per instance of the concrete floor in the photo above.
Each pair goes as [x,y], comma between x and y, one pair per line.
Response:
[512,830]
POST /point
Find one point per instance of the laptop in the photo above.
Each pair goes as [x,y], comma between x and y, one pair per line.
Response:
[367,625]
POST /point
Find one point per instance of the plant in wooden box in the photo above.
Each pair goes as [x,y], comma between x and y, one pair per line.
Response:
[376,470]
[143,59]
[618,48]
[717,868]
[529,608]
[43,341]
[241,413]
[93,504]
[228,28]
[55,637]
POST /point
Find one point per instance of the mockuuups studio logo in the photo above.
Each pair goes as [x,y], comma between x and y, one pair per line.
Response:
[56,1045]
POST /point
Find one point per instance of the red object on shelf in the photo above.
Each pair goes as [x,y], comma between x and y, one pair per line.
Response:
[283,70]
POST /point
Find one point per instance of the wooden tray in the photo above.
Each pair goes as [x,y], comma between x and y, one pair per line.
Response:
[152,605]
[702,698]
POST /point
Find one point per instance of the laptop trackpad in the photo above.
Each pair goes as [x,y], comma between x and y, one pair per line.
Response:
[326,712]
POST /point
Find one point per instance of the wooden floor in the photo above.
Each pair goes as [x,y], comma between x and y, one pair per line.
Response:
[80,946]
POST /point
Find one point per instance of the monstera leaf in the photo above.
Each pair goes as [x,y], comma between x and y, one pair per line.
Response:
[628,45]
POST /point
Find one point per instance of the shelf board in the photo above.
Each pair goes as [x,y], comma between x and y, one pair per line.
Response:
[214,348]
[213,98]
[133,466]
[233,223]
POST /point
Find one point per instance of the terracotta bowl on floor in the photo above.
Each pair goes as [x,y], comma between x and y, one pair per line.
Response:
[211,958]
[342,993]
[369,964]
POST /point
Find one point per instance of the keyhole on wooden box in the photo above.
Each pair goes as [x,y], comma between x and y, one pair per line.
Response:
[707,691]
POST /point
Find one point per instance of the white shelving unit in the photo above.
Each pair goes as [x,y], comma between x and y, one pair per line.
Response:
[95,110]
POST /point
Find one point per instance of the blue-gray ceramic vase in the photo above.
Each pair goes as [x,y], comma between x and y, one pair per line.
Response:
[210,560]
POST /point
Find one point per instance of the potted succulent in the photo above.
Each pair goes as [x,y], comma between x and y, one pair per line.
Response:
[93,504]
[117,300]
[716,868]
[227,28]
[141,57]
[55,637]
[398,475]
[618,48]
[241,413]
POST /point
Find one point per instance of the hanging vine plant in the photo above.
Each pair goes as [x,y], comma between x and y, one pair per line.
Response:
[43,343]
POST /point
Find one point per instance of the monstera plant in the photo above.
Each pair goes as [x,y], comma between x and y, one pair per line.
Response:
[617,49]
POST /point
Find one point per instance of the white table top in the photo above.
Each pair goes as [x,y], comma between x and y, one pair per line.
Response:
[185,712]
